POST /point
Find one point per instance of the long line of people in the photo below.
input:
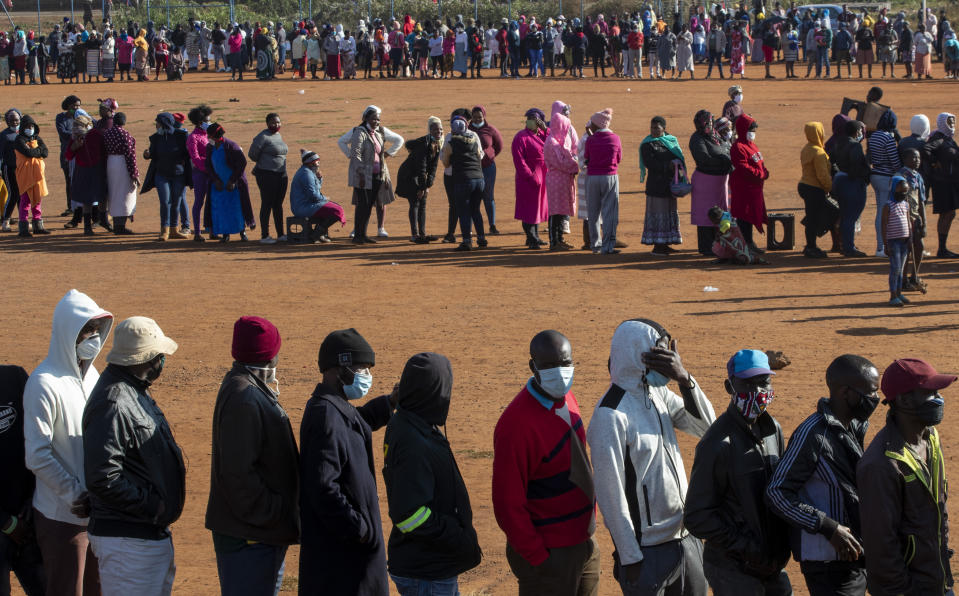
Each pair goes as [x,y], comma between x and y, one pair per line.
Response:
[87,508]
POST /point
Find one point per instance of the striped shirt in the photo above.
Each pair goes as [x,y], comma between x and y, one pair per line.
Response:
[898,223]
[883,153]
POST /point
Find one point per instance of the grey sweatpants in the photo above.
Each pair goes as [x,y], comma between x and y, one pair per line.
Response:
[674,568]
[602,199]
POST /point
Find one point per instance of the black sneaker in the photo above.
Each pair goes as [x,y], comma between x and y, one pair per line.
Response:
[493,231]
[463,247]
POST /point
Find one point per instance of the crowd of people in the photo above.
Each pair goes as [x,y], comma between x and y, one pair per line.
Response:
[94,476]
[559,175]
[457,47]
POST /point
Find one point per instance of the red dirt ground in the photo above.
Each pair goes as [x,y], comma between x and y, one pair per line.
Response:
[481,308]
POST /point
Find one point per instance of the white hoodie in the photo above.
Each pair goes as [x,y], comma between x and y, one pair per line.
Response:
[632,426]
[53,403]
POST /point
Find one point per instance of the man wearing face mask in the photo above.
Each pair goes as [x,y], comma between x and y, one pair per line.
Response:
[433,540]
[342,544]
[814,487]
[543,495]
[53,402]
[747,545]
[253,510]
[902,483]
[8,164]
[134,468]
[640,477]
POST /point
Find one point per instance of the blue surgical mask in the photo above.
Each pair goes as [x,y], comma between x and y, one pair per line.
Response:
[556,381]
[204,125]
[359,387]
[656,379]
[28,132]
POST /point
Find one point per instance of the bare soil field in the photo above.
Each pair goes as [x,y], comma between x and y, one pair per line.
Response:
[479,308]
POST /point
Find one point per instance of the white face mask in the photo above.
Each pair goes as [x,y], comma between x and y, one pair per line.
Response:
[738,98]
[90,347]
[556,381]
[751,136]
[270,377]
[28,132]
[728,135]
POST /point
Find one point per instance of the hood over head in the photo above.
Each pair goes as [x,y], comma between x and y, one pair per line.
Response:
[888,121]
[919,126]
[426,387]
[630,341]
[26,122]
[839,124]
[71,314]
[814,133]
[742,127]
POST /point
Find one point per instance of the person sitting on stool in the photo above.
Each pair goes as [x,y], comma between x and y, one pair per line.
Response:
[308,202]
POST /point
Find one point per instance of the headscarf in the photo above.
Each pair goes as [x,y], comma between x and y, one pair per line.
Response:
[458,125]
[892,187]
[942,124]
[887,122]
[215,130]
[722,124]
[669,141]
[481,109]
[562,135]
[370,109]
[110,104]
[703,121]
[166,122]
[919,126]
[535,113]
[838,131]
[602,118]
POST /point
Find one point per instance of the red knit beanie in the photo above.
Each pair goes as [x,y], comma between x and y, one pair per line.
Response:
[255,340]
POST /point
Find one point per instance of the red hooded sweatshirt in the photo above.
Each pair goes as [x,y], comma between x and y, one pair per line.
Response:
[746,181]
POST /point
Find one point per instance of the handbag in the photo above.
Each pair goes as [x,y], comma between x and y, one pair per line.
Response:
[680,186]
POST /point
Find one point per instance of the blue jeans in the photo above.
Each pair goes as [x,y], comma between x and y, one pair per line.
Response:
[23,561]
[171,192]
[469,197]
[254,570]
[514,61]
[407,586]
[822,58]
[851,195]
[536,61]
[717,59]
[897,249]
[489,201]
[880,186]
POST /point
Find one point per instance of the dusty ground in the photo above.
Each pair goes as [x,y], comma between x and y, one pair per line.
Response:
[479,309]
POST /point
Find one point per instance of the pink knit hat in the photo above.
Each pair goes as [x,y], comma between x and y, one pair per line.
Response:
[602,119]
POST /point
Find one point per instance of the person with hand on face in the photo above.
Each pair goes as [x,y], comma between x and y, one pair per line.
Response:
[814,487]
[342,548]
[543,495]
[433,540]
[133,467]
[53,402]
[253,510]
[532,208]
[640,478]
[307,200]
[747,545]
[902,483]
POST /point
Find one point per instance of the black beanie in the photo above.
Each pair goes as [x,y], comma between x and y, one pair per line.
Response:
[345,347]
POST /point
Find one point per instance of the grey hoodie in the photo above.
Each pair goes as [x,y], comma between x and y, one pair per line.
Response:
[632,433]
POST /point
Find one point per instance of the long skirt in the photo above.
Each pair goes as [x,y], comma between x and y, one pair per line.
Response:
[107,66]
[225,209]
[348,66]
[708,191]
[66,67]
[662,221]
[333,66]
[4,69]
[460,61]
[93,63]
[923,64]
[87,186]
[121,191]
[140,63]
[264,65]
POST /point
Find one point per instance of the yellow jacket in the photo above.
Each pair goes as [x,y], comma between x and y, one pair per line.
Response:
[816,169]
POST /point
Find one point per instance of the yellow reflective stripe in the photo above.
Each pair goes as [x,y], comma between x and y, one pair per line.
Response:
[414,521]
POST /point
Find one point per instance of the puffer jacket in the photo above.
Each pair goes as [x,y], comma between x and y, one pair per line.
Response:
[418,169]
[433,536]
[134,468]
[637,465]
[725,503]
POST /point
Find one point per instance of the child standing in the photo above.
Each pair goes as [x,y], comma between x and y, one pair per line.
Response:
[791,51]
[896,232]
[917,214]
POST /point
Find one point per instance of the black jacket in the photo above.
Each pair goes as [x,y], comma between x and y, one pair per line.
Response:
[851,160]
[342,548]
[255,470]
[16,491]
[724,502]
[659,169]
[942,154]
[131,462]
[711,158]
[418,170]
[433,536]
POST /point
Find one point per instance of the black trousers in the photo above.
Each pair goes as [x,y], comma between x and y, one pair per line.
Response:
[705,235]
[365,199]
[272,187]
[747,229]
[417,216]
[451,197]
[13,194]
[65,166]
[834,578]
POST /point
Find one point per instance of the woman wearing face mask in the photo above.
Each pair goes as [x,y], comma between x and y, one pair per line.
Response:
[659,157]
[849,183]
[747,202]
[527,150]
[230,208]
[170,172]
[123,175]
[710,179]
[944,161]
[268,153]
[416,174]
[883,153]
[463,155]
[88,180]
[196,143]
[560,155]
[31,182]
[733,108]
[492,143]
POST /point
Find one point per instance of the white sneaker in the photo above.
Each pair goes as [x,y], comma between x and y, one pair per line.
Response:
[566,227]
[881,254]
[281,238]
[5,227]
[381,233]
[268,240]
[352,233]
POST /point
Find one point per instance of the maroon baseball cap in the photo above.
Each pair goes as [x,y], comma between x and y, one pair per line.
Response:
[906,374]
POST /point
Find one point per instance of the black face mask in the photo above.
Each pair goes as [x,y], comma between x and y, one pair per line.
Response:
[866,406]
[154,373]
[929,412]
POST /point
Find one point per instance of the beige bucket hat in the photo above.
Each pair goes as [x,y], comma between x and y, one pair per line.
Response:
[138,340]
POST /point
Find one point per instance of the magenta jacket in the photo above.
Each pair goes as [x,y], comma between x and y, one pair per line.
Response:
[531,206]
[603,152]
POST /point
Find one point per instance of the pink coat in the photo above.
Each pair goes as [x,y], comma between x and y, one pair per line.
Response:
[531,207]
[559,153]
